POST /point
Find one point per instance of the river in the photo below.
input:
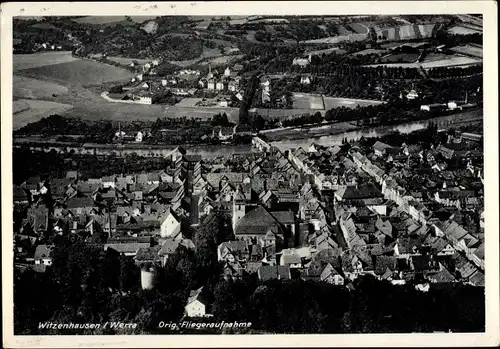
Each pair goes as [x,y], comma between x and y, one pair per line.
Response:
[443,122]
[208,151]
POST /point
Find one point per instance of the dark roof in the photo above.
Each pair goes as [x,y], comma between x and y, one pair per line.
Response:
[148,254]
[79,202]
[257,221]
[268,272]
[382,263]
[43,251]
[424,263]
[284,217]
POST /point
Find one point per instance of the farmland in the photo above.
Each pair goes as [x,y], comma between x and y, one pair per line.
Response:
[469,50]
[462,30]
[337,51]
[333,102]
[400,58]
[34,60]
[307,101]
[100,20]
[406,32]
[29,88]
[81,72]
[27,111]
[435,61]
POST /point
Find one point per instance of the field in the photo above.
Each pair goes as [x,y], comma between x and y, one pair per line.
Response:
[338,39]
[400,58]
[29,88]
[221,59]
[127,61]
[469,50]
[26,111]
[188,102]
[337,50]
[406,32]
[34,60]
[98,20]
[462,30]
[359,28]
[200,112]
[81,72]
[333,102]
[436,62]
[368,51]
[307,101]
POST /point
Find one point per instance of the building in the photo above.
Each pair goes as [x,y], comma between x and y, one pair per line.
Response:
[170,225]
[196,305]
[303,62]
[305,80]
[227,72]
[43,254]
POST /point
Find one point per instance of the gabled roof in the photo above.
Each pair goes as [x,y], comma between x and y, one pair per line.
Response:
[257,221]
[43,251]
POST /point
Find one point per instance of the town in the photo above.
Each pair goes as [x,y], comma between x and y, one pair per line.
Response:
[319,182]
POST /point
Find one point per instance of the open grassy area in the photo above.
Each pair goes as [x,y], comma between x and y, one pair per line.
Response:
[29,110]
[34,60]
[82,72]
[98,20]
[307,101]
[334,102]
[469,50]
[400,58]
[29,88]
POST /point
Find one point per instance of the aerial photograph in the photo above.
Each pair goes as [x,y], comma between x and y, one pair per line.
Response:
[248,174]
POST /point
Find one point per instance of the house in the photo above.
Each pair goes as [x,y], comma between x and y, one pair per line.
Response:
[302,61]
[331,275]
[305,80]
[381,148]
[412,95]
[127,247]
[168,248]
[196,305]
[269,272]
[227,72]
[80,205]
[232,251]
[170,225]
[20,195]
[219,85]
[43,254]
[290,258]
[432,107]
[72,175]
[452,105]
[148,255]
[139,136]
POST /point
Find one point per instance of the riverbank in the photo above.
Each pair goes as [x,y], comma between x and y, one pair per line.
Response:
[443,122]
[333,129]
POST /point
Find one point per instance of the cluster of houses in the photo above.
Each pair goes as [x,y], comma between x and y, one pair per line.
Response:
[329,214]
[145,85]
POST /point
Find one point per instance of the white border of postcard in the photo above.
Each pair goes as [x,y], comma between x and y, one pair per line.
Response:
[489,11]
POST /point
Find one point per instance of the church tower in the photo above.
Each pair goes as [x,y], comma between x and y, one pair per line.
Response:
[238,211]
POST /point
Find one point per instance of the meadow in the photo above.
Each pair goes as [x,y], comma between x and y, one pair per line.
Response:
[28,110]
[307,101]
[81,72]
[400,58]
[334,102]
[35,60]
[470,50]
[28,88]
[462,30]
[99,20]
